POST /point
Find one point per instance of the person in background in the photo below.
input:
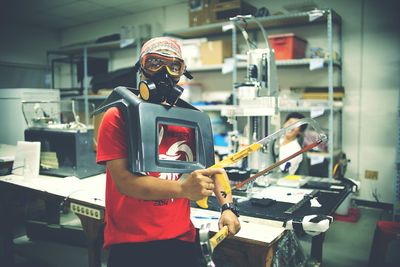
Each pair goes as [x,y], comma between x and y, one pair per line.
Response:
[147,218]
[290,143]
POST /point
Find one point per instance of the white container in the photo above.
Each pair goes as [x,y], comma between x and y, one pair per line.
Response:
[343,209]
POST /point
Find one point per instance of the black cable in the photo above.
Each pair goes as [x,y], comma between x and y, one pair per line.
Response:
[19,167]
[63,209]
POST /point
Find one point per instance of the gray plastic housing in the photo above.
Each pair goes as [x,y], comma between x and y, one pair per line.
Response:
[142,119]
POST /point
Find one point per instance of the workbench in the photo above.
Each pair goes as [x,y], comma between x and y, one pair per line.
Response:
[253,246]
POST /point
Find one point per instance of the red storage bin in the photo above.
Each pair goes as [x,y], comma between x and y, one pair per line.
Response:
[383,250]
[288,46]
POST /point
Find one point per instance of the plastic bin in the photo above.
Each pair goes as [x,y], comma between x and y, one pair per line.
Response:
[385,246]
[288,46]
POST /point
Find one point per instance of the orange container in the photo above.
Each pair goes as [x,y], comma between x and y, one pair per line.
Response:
[288,46]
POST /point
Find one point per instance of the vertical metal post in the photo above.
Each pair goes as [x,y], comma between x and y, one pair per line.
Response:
[339,25]
[138,40]
[85,86]
[234,73]
[71,70]
[330,95]
[52,73]
[396,206]
[340,41]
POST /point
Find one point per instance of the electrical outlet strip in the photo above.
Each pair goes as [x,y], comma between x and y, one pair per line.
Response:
[86,211]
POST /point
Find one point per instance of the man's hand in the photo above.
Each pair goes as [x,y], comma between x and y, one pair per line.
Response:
[199,183]
[229,219]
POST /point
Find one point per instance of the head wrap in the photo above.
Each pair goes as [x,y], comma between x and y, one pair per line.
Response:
[166,46]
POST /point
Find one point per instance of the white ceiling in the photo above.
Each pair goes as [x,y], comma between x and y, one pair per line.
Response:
[60,14]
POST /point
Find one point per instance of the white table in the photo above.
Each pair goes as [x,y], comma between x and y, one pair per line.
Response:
[253,241]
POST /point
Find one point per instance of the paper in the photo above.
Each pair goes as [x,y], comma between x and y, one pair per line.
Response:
[227,67]
[316,160]
[316,112]
[282,194]
[49,160]
[262,230]
[228,27]
[315,14]
[314,203]
[295,181]
[316,63]
[27,159]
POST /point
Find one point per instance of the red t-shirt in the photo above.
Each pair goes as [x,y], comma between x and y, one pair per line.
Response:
[133,220]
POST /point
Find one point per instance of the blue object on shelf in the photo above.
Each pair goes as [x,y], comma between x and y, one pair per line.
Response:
[220,140]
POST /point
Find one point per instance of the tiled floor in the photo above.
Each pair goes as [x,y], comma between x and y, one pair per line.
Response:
[346,244]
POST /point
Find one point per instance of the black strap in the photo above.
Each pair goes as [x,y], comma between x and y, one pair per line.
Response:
[188,74]
[136,68]
[298,227]
[319,218]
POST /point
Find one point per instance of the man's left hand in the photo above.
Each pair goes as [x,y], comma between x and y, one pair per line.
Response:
[229,219]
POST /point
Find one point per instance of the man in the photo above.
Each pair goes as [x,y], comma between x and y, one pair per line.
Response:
[290,143]
[148,214]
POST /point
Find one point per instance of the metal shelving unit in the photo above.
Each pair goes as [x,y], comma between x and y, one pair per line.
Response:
[322,16]
[68,54]
[326,17]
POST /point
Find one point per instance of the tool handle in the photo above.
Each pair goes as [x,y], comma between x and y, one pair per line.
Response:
[219,237]
[222,179]
[226,162]
[237,156]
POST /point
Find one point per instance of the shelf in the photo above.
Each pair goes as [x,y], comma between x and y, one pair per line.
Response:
[222,150]
[301,62]
[92,97]
[268,22]
[335,108]
[206,68]
[325,155]
[212,107]
[93,47]
[238,111]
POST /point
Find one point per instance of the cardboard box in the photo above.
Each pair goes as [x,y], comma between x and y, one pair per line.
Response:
[222,10]
[212,11]
[214,52]
[199,12]
[191,51]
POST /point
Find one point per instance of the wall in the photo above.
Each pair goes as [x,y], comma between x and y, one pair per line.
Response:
[370,76]
[378,97]
[23,60]
[159,24]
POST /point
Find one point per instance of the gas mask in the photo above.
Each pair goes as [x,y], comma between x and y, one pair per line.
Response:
[159,88]
[162,74]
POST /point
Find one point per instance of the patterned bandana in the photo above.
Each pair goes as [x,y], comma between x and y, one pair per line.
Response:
[163,45]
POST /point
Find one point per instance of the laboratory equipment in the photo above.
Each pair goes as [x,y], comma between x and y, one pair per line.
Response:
[66,144]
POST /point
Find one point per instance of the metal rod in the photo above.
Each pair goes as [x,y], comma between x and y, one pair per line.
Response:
[85,85]
[330,95]
[273,166]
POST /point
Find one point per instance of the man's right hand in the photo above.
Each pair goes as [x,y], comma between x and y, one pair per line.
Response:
[199,183]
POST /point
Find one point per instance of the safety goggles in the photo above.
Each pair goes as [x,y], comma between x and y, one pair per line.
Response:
[153,62]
